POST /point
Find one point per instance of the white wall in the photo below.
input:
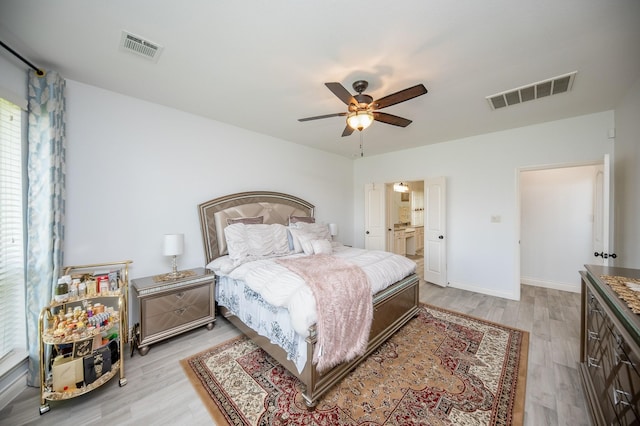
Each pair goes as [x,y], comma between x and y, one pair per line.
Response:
[13,82]
[481,174]
[137,170]
[557,218]
[627,180]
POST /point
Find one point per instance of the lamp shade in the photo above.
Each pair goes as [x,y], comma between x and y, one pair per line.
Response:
[173,244]
[333,229]
[359,120]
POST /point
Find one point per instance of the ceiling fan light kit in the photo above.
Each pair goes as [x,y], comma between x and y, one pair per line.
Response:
[362,109]
[360,120]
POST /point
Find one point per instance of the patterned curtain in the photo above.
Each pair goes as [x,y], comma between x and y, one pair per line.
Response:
[45,202]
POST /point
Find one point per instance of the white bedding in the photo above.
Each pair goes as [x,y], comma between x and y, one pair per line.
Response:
[283,288]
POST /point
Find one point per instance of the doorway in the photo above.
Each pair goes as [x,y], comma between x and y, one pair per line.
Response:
[560,214]
[405,221]
[415,228]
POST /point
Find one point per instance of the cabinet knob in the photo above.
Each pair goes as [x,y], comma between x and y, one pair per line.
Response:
[441,237]
[621,397]
[622,358]
[592,335]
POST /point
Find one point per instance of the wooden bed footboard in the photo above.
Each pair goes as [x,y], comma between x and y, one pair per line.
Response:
[392,308]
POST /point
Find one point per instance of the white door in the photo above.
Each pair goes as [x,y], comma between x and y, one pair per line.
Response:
[417,208]
[602,225]
[435,226]
[374,216]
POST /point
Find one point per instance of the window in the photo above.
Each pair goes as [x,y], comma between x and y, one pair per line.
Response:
[12,266]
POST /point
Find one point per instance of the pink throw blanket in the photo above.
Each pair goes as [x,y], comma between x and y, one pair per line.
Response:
[344,304]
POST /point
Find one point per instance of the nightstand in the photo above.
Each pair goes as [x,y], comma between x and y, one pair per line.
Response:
[168,307]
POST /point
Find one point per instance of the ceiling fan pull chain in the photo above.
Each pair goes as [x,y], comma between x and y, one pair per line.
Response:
[361,150]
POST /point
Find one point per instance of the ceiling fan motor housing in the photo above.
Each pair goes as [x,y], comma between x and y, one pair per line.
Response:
[363,101]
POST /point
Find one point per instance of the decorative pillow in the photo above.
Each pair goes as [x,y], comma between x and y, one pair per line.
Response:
[295,245]
[319,230]
[305,219]
[246,220]
[321,247]
[221,265]
[305,242]
[255,241]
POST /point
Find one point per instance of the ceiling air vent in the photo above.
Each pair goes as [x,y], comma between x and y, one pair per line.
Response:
[145,48]
[552,86]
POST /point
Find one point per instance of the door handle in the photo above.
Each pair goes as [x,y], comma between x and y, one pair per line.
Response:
[605,255]
[441,237]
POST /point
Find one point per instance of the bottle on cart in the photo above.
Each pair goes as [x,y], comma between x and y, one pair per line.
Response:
[73,288]
[62,291]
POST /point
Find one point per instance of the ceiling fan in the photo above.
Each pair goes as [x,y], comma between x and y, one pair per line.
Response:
[362,109]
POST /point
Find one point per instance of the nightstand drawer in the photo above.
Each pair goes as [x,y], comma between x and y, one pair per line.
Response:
[161,304]
[174,318]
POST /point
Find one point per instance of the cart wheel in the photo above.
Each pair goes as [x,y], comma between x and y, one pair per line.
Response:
[135,339]
[44,409]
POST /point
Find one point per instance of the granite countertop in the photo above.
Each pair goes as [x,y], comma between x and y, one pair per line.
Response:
[403,226]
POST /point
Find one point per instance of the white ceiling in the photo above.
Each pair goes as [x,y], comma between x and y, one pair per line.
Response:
[261,65]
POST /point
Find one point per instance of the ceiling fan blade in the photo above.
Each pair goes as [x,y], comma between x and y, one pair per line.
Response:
[401,96]
[391,119]
[342,93]
[347,131]
[317,117]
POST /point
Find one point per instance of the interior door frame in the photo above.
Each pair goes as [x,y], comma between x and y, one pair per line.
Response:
[389,198]
[607,167]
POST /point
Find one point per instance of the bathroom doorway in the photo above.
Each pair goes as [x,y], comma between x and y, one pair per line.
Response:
[405,221]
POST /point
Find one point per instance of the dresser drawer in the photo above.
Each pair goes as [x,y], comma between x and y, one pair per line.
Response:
[625,383]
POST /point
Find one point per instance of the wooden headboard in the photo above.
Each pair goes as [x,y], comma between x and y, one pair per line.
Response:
[275,207]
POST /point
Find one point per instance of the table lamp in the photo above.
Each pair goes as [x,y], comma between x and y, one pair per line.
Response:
[333,229]
[173,246]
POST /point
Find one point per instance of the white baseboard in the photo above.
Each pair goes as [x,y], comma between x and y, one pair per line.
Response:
[482,290]
[11,387]
[571,287]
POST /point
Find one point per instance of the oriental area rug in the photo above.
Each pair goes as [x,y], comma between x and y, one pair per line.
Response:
[441,368]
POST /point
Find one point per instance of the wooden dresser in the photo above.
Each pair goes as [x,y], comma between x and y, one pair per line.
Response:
[610,348]
[167,308]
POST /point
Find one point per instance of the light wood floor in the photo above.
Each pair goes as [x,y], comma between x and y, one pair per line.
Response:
[158,392]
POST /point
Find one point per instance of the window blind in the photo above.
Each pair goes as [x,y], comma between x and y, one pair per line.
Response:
[12,292]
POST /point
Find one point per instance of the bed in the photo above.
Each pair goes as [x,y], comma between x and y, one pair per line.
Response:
[393,306]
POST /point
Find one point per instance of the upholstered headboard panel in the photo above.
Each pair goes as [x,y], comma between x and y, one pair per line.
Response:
[274,207]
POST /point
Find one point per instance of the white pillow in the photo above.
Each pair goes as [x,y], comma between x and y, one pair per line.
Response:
[221,265]
[295,239]
[319,230]
[321,247]
[305,242]
[250,242]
